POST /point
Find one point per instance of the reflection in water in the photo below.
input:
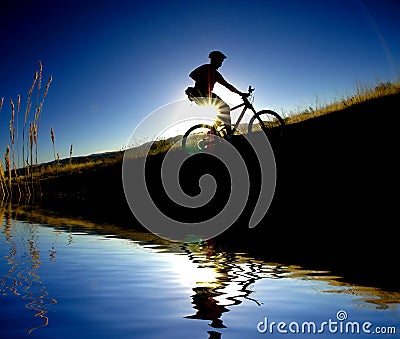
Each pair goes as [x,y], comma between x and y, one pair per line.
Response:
[24,260]
[221,282]
[232,283]
[235,275]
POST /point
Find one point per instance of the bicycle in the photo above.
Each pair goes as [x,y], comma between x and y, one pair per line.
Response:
[203,136]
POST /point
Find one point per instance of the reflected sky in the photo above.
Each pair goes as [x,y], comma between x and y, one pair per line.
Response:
[61,277]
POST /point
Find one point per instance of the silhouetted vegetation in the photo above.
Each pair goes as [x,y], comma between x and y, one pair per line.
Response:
[16,179]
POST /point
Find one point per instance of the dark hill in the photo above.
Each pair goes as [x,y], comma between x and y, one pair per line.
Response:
[336,197]
[335,201]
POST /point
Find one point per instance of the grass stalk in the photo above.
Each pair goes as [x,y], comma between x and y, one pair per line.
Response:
[70,157]
[3,183]
[8,167]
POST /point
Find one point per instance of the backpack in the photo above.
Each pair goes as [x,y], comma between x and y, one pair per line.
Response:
[192,93]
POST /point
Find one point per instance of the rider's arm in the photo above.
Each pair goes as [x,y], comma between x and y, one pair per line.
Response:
[229,86]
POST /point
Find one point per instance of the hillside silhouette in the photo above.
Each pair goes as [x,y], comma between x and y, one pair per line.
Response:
[334,204]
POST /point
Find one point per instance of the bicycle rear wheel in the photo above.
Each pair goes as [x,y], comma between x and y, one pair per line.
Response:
[267,121]
[198,138]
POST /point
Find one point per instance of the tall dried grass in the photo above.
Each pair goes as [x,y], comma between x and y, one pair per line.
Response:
[17,179]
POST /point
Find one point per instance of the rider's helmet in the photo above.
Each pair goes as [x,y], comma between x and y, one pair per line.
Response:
[217,55]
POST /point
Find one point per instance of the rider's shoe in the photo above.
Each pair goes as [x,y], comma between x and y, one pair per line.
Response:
[229,137]
[221,130]
[224,131]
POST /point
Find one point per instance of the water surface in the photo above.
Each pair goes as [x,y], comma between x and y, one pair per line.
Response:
[66,278]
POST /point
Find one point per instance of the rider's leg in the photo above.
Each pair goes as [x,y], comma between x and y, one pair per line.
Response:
[224,115]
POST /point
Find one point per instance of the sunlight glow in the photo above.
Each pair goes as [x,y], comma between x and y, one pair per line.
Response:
[198,115]
[181,127]
[232,99]
[225,94]
[191,275]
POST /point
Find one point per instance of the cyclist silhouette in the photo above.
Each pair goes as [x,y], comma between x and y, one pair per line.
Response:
[205,77]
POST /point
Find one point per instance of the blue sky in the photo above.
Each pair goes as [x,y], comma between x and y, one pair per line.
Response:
[115,62]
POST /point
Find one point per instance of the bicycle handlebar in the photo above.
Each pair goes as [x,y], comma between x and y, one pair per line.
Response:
[245,99]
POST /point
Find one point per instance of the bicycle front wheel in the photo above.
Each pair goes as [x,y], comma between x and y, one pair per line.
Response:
[198,138]
[266,121]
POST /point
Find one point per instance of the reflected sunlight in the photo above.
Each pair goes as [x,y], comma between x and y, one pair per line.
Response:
[192,275]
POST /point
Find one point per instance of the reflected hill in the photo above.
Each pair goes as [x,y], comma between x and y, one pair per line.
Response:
[225,275]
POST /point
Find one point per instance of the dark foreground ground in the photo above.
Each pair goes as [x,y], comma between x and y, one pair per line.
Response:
[335,203]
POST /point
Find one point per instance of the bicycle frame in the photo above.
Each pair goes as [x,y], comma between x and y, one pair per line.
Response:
[246,105]
[220,131]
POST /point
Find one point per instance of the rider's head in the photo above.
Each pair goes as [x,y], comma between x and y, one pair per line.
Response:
[216,58]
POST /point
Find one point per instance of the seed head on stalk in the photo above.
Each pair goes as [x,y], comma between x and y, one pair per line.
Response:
[52,140]
[12,111]
[70,156]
